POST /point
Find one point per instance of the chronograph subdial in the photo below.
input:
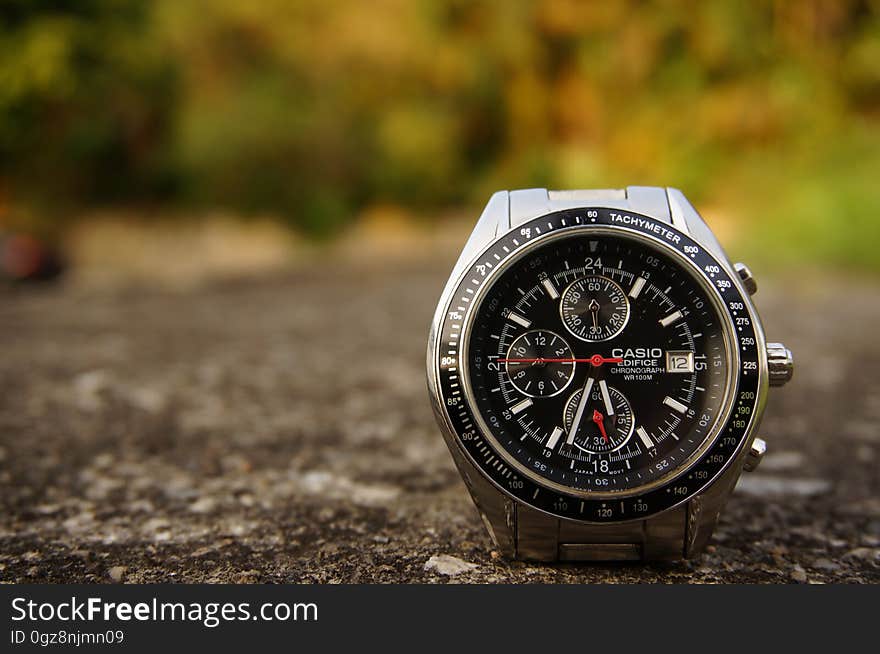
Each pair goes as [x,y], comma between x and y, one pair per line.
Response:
[607,420]
[539,363]
[594,308]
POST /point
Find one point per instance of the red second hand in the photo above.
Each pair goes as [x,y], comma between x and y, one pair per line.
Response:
[596,360]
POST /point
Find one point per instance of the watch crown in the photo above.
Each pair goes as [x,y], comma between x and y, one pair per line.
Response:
[756,453]
[748,280]
[780,364]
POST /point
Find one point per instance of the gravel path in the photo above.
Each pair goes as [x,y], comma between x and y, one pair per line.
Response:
[279,431]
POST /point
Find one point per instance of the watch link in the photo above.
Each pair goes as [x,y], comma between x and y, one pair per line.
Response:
[598,371]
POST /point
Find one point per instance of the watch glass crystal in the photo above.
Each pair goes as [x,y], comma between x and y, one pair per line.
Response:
[597,362]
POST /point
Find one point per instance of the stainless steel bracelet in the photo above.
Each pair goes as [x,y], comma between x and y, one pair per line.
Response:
[545,538]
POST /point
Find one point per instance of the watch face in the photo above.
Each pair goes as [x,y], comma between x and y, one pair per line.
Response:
[601,362]
[589,363]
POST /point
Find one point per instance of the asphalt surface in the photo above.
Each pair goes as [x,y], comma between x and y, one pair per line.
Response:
[278,430]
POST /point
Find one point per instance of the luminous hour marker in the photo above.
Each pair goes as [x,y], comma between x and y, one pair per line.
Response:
[519,407]
[671,318]
[646,440]
[554,438]
[672,403]
[551,289]
[637,287]
[518,319]
[593,245]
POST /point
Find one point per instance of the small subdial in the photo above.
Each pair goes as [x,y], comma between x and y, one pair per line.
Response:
[539,363]
[606,421]
[594,308]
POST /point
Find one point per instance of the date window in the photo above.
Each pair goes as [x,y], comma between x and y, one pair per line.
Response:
[679,361]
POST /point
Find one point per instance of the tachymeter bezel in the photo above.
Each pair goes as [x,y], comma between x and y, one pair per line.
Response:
[721,445]
[543,480]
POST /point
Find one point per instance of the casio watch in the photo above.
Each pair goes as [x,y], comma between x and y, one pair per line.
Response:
[598,371]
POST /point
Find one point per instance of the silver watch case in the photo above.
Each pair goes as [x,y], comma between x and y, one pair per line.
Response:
[704,482]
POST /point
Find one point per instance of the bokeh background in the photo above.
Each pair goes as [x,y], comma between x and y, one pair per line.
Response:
[224,226]
[319,115]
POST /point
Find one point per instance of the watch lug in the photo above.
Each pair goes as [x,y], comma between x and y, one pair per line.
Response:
[496,510]
[651,201]
[529,203]
[686,218]
[704,509]
[665,534]
[494,220]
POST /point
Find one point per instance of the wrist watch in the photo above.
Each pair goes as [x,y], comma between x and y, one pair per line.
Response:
[598,371]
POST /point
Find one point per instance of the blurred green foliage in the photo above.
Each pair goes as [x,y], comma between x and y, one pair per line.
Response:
[87,103]
[314,109]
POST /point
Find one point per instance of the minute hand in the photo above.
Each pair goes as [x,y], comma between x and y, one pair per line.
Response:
[581,408]
[606,397]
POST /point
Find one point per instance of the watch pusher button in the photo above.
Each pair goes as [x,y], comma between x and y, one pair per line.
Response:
[780,364]
[748,280]
[756,453]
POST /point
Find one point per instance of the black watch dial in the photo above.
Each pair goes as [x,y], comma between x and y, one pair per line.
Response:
[597,362]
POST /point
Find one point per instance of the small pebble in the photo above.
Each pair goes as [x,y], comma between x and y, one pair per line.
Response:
[203,505]
[448,565]
[826,564]
[116,573]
